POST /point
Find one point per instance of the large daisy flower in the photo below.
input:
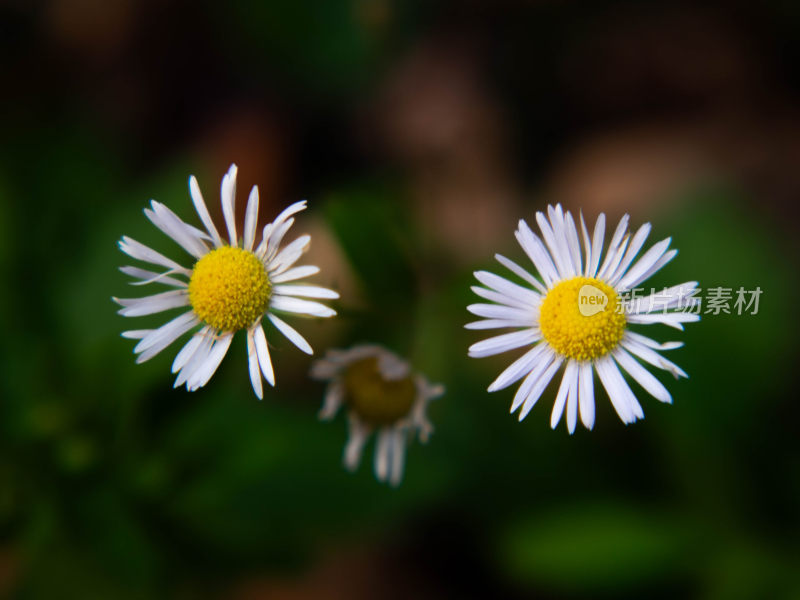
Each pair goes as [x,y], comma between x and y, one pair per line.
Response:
[577,315]
[230,287]
[382,395]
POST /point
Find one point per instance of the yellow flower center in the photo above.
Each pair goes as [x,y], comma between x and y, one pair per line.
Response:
[229,288]
[581,318]
[376,400]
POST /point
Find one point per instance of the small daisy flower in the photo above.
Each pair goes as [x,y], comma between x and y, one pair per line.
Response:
[381,394]
[230,287]
[575,316]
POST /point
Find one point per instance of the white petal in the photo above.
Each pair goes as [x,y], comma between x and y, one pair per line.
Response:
[174,227]
[498,324]
[324,369]
[497,311]
[251,219]
[202,211]
[597,244]
[537,252]
[540,386]
[303,307]
[274,232]
[289,255]
[531,379]
[587,246]
[519,367]
[572,403]
[228,194]
[519,271]
[141,252]
[558,231]
[189,348]
[307,291]
[382,449]
[677,296]
[637,242]
[652,343]
[398,455]
[560,257]
[294,337]
[619,233]
[642,375]
[614,259]
[295,273]
[332,402]
[272,236]
[151,277]
[135,334]
[263,354]
[252,366]
[586,394]
[499,298]
[149,305]
[650,262]
[621,396]
[651,356]
[209,366]
[563,391]
[674,319]
[504,343]
[507,288]
[197,358]
[158,339]
[355,442]
[573,243]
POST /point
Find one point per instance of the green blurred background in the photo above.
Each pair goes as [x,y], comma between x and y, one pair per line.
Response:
[420,132]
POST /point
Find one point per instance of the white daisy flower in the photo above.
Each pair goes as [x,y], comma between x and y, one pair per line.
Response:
[575,316]
[229,287]
[382,395]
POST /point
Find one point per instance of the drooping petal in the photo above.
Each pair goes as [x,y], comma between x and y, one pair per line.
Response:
[359,432]
[334,396]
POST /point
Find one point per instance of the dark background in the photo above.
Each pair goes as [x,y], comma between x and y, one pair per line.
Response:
[420,132]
